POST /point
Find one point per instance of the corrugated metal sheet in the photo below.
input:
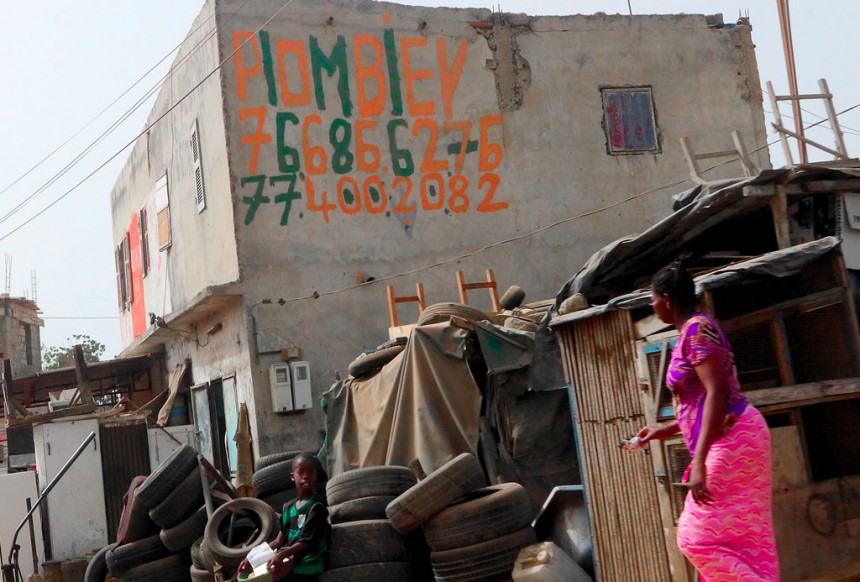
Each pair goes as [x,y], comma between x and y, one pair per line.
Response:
[599,360]
[125,455]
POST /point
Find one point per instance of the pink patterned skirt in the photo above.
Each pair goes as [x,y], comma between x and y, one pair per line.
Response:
[731,539]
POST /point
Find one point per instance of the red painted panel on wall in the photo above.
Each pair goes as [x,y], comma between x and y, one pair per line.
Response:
[138,304]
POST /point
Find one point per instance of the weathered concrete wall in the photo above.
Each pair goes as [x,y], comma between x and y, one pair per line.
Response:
[203,249]
[345,121]
[19,324]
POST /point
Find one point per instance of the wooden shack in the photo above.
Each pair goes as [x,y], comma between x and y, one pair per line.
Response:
[789,312]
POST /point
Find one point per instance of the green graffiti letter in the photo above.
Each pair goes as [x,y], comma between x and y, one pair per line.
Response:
[333,63]
[268,69]
[393,72]
[288,156]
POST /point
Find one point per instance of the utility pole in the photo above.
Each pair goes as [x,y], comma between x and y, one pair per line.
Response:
[788,48]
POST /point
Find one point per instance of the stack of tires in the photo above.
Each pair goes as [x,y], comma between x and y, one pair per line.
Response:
[364,545]
[474,532]
[171,497]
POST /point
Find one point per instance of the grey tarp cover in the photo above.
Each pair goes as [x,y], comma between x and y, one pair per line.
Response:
[422,405]
[781,263]
[608,272]
[425,404]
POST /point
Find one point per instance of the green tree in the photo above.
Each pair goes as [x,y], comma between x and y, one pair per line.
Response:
[54,357]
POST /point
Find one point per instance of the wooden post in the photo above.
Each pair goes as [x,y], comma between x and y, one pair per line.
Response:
[81,374]
[13,409]
[779,209]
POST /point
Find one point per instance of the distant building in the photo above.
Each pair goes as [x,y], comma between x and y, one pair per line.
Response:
[344,141]
[20,334]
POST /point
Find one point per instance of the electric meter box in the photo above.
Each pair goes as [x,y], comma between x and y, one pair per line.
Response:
[301,377]
[282,387]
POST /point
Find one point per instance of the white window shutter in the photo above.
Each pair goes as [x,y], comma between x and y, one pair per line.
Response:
[197,158]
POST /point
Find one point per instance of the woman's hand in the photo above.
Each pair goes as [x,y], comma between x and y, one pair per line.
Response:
[659,432]
[697,482]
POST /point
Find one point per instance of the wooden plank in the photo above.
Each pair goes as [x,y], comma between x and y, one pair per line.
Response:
[11,406]
[782,350]
[804,393]
[779,209]
[81,376]
[80,410]
[762,315]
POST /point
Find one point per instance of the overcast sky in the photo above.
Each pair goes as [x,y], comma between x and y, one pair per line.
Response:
[67,61]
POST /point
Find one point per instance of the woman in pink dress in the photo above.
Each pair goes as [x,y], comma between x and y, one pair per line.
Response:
[726,527]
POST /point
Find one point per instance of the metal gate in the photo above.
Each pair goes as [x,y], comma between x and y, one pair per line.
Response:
[125,455]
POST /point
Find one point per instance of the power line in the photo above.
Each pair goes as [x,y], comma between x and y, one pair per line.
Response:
[147,128]
[99,114]
[122,118]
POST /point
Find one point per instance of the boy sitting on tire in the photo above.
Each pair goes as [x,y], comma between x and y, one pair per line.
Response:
[303,539]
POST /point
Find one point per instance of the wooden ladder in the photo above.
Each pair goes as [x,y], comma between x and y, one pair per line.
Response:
[393,300]
[490,284]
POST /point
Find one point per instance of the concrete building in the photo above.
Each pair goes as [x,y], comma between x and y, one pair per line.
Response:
[20,338]
[299,157]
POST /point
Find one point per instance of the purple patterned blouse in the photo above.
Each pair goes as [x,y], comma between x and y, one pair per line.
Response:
[700,339]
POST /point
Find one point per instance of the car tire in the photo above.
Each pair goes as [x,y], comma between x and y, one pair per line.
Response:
[441,312]
[127,556]
[263,521]
[387,571]
[268,460]
[484,514]
[277,500]
[200,575]
[181,536]
[273,479]
[372,540]
[360,509]
[97,570]
[365,364]
[369,482]
[170,569]
[179,503]
[167,476]
[437,491]
[489,560]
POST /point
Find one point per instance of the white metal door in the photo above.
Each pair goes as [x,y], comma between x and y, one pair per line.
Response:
[203,420]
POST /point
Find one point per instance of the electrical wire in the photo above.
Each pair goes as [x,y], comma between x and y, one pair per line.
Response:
[140,102]
[100,113]
[147,128]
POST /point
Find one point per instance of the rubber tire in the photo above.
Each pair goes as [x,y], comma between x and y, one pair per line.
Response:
[485,514]
[369,482]
[179,503]
[268,460]
[371,540]
[200,575]
[512,298]
[254,509]
[360,509]
[181,536]
[490,560]
[167,476]
[273,479]
[442,312]
[437,491]
[97,570]
[127,556]
[277,500]
[170,569]
[365,364]
[201,556]
[385,571]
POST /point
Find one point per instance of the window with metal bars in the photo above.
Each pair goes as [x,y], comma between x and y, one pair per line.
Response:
[196,157]
[144,241]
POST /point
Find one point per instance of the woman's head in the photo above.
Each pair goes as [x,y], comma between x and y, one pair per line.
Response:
[673,292]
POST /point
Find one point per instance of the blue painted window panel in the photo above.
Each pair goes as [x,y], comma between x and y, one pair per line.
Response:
[629,120]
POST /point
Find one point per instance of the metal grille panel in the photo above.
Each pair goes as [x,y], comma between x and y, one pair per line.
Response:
[125,455]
